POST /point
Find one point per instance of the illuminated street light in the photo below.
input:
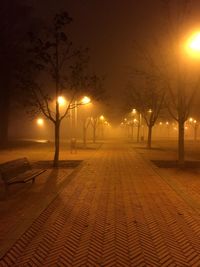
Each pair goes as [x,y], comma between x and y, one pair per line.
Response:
[193,45]
[85,100]
[195,126]
[40,122]
[134,111]
[102,118]
[61,100]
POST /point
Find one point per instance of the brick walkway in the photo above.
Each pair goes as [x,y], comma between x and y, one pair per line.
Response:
[117,211]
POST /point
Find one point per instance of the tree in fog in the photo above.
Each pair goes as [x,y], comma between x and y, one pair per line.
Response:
[148,99]
[94,123]
[181,81]
[164,57]
[56,67]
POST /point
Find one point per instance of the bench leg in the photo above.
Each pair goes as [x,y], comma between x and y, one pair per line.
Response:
[33,180]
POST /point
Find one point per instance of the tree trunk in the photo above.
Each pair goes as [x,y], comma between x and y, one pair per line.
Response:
[195,132]
[181,149]
[57,144]
[149,136]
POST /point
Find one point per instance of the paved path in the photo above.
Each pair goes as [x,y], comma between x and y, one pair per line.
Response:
[117,211]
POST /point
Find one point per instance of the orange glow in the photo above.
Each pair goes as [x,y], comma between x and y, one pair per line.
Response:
[195,42]
[85,100]
[102,118]
[40,122]
[193,45]
[61,100]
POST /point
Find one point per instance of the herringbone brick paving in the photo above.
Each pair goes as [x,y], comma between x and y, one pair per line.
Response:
[117,211]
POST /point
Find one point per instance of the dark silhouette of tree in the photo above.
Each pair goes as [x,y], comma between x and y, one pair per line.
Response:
[55,68]
[182,83]
[167,64]
[148,100]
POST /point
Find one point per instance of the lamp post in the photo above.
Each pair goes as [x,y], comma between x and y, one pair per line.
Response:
[138,121]
[195,126]
[84,101]
[102,120]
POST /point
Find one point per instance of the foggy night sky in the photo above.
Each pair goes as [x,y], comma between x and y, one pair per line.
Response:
[108,28]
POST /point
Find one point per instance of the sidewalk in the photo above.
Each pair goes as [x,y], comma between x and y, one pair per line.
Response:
[116,211]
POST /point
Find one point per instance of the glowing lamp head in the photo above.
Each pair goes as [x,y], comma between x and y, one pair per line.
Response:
[61,100]
[190,119]
[40,122]
[194,43]
[85,100]
[102,118]
[134,111]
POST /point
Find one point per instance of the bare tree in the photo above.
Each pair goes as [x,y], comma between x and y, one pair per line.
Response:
[52,55]
[86,124]
[148,100]
[167,64]
[181,81]
[94,123]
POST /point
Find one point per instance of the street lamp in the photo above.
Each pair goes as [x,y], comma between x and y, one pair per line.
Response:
[61,100]
[102,120]
[195,125]
[40,122]
[85,100]
[193,45]
[139,122]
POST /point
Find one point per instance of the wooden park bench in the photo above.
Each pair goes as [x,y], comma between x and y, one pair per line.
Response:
[18,171]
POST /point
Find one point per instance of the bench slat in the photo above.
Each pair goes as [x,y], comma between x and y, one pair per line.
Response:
[25,177]
[18,171]
[11,169]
